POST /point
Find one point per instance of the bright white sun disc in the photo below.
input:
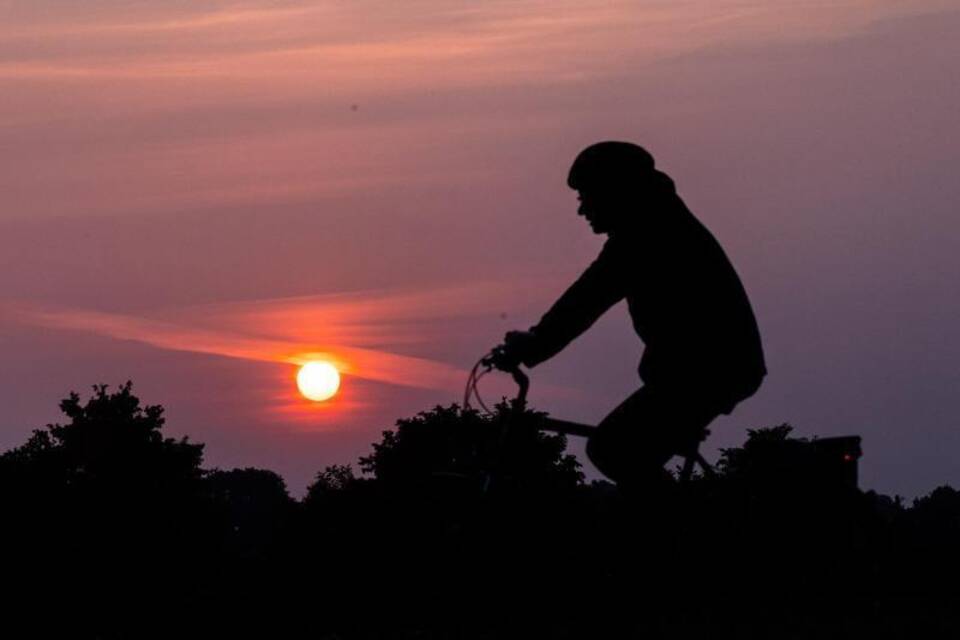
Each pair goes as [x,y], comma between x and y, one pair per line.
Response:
[318,380]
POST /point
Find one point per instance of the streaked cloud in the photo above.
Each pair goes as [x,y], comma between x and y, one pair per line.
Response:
[353,330]
[221,103]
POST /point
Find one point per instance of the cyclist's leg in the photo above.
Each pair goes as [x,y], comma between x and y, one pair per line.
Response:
[616,448]
[633,443]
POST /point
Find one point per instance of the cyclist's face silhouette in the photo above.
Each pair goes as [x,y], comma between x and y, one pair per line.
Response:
[598,208]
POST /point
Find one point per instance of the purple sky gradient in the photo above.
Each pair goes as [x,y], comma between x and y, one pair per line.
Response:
[175,171]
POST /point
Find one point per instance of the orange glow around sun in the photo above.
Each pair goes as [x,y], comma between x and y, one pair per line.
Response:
[318,380]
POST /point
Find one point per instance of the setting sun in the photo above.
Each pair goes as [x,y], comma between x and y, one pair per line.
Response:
[318,380]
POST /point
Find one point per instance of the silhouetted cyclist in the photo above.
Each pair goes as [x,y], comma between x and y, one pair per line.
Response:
[703,353]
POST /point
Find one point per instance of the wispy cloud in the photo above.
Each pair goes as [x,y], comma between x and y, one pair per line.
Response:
[213,103]
[362,317]
[353,330]
[533,35]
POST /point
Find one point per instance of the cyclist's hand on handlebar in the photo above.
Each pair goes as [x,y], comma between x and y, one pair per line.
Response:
[515,347]
[501,358]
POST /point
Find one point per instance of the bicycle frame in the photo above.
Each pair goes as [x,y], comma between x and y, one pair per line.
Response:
[565,427]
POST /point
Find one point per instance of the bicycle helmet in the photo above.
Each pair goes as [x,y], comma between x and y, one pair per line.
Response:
[610,164]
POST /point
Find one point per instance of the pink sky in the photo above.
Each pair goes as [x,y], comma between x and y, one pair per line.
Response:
[197,194]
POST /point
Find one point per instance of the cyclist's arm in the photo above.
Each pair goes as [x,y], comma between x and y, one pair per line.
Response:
[599,288]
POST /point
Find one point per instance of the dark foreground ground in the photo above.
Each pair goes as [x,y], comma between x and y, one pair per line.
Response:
[462,526]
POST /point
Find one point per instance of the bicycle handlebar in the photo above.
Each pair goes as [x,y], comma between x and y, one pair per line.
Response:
[523,382]
[496,360]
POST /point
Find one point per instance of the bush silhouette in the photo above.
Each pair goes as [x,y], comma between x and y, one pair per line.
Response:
[116,508]
[461,525]
[452,442]
[111,443]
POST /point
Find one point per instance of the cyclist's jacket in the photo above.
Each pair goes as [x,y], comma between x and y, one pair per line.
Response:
[686,301]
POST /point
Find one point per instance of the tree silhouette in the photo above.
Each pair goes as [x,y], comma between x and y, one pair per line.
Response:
[116,508]
[111,443]
[463,525]
[334,478]
[256,508]
[456,443]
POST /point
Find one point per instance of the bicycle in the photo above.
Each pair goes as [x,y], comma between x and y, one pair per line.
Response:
[496,359]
